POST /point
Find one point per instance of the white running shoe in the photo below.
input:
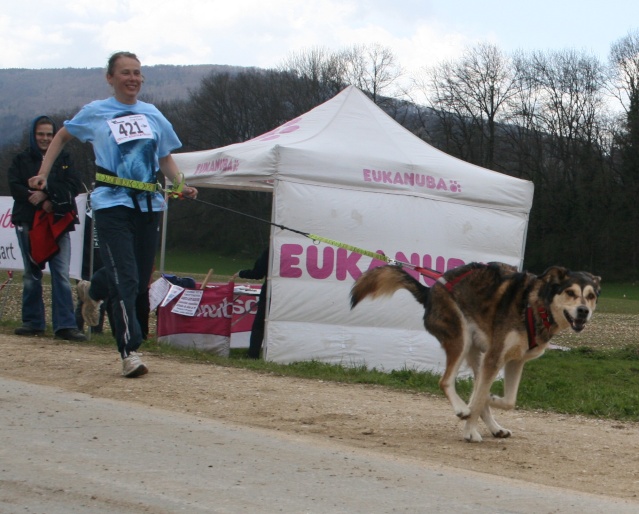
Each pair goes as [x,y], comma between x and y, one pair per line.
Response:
[90,307]
[132,366]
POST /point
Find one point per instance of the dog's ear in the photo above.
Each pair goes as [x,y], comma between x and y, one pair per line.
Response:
[554,275]
[596,280]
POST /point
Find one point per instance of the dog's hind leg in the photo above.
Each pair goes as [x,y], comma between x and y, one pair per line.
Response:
[473,358]
[456,350]
[494,427]
[478,404]
[474,361]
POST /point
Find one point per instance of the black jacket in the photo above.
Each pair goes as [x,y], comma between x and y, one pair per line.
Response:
[260,268]
[63,183]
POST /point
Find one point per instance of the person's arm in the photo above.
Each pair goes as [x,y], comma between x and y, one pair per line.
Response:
[18,177]
[260,268]
[63,185]
[59,141]
[171,171]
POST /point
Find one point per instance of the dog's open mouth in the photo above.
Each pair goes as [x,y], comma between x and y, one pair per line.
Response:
[577,324]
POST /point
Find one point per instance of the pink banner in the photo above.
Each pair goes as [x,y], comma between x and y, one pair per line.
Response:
[213,315]
[208,330]
[222,320]
[244,309]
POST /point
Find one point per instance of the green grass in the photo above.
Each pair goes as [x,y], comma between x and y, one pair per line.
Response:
[603,384]
[619,298]
[179,261]
[595,383]
[620,291]
[582,381]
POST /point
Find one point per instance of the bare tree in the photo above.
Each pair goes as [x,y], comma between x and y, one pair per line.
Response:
[374,69]
[569,89]
[231,108]
[562,106]
[624,71]
[321,74]
[624,86]
[470,94]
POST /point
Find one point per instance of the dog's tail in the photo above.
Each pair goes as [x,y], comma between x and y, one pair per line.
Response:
[384,281]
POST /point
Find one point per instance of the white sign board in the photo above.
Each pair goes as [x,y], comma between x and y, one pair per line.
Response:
[10,256]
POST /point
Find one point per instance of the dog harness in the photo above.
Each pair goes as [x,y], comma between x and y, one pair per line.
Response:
[531,329]
[450,284]
[530,324]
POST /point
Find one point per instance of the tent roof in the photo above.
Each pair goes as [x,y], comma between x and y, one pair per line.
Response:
[350,142]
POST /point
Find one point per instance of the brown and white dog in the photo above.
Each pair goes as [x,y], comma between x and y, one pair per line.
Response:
[492,316]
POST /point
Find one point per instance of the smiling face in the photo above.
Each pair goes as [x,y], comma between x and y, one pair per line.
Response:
[43,136]
[126,79]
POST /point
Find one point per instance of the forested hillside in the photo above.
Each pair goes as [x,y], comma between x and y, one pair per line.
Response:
[25,93]
[564,120]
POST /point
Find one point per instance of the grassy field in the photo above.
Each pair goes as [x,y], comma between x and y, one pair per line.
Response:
[597,375]
[619,298]
[186,263]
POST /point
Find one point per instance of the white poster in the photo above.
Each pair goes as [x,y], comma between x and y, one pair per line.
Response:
[10,256]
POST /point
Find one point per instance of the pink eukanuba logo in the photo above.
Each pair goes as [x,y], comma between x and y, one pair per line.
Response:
[287,128]
[322,263]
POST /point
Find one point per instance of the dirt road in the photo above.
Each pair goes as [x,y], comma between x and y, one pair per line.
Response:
[594,456]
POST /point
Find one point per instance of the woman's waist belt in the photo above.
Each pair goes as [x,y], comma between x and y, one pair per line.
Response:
[106,178]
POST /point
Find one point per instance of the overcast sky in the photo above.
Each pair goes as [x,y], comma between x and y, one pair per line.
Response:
[262,33]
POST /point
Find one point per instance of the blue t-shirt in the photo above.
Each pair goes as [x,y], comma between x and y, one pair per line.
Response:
[127,140]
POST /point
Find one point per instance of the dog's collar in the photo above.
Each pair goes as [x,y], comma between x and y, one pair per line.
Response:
[531,327]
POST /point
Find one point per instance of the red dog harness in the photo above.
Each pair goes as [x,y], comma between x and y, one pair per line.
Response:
[439,277]
[530,318]
[530,325]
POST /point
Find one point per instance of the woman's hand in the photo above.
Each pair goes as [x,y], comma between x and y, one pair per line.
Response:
[37,197]
[38,182]
[189,192]
[172,172]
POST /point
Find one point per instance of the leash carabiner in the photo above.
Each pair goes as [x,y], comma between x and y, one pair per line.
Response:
[176,191]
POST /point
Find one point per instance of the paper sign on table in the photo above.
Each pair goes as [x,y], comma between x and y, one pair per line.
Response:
[188,303]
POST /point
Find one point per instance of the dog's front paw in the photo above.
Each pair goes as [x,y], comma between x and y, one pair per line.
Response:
[463,413]
[502,433]
[499,402]
[471,435]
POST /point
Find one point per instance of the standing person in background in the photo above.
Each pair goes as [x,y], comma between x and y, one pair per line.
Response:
[53,206]
[132,141]
[259,271]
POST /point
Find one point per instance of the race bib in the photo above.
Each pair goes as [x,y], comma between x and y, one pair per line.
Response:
[130,127]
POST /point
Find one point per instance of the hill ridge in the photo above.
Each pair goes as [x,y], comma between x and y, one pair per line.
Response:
[26,93]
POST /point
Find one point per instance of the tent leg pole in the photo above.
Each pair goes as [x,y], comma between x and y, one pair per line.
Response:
[165,218]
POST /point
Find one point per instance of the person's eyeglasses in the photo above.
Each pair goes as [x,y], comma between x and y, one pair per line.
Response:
[44,134]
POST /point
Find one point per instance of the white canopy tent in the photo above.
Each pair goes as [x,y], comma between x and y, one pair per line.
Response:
[347,171]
